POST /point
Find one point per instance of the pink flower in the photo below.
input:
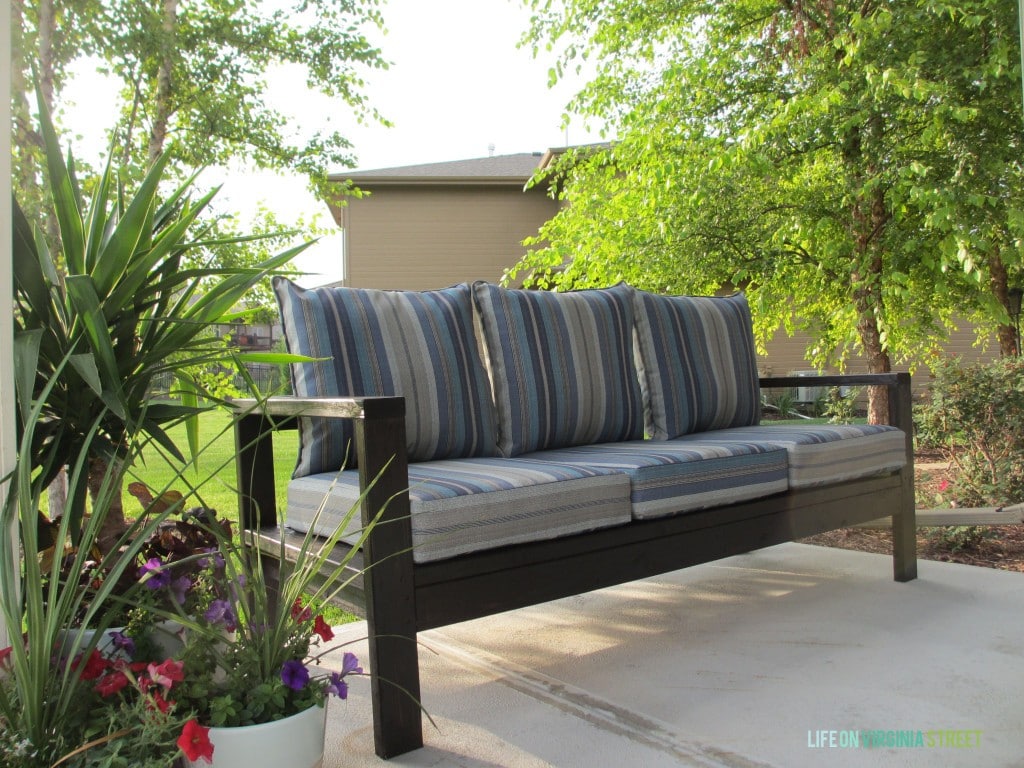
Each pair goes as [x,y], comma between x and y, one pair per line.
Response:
[167,673]
[943,485]
[195,742]
[323,629]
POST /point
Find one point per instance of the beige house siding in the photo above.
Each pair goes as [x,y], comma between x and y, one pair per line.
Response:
[785,355]
[423,237]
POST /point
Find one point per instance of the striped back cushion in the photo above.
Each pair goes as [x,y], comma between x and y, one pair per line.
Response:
[698,361]
[418,344]
[562,366]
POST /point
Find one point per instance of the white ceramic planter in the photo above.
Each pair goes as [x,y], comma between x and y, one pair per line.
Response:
[295,742]
[167,636]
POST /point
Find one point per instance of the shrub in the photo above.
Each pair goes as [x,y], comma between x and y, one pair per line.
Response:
[975,415]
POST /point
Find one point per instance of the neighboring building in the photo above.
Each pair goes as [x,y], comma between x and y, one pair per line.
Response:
[434,225]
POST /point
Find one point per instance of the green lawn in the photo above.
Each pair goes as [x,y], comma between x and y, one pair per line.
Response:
[213,477]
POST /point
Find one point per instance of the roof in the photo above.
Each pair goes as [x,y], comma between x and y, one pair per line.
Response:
[503,169]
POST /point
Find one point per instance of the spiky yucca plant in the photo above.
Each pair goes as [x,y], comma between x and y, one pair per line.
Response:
[116,307]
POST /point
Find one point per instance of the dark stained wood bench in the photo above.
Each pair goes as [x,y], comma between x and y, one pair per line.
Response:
[399,597]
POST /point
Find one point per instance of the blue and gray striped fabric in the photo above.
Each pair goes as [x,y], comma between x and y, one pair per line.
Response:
[820,455]
[474,504]
[670,476]
[418,344]
[562,366]
[698,361]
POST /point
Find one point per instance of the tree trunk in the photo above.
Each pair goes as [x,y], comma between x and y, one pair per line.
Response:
[1000,284]
[46,31]
[867,298]
[164,83]
[114,523]
[869,220]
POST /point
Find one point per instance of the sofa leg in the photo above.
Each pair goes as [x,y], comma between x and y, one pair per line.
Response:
[904,546]
[395,683]
[904,522]
[389,583]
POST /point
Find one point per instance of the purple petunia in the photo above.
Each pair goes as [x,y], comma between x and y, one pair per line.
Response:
[220,612]
[180,587]
[122,642]
[215,560]
[157,576]
[350,665]
[337,686]
[294,674]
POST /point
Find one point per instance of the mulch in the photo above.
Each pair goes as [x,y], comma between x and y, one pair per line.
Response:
[993,546]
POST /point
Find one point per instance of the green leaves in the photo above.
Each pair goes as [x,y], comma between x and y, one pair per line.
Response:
[123,313]
[856,169]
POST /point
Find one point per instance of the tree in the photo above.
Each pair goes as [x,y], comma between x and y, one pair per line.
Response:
[855,166]
[194,76]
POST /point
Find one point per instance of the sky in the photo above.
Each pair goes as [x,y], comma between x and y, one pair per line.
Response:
[457,85]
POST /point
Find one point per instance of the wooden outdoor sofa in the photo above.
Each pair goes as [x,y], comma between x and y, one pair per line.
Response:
[546,444]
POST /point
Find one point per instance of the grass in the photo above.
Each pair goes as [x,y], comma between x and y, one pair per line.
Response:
[213,475]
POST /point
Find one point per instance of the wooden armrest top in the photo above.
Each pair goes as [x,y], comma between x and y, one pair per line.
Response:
[337,407]
[835,380]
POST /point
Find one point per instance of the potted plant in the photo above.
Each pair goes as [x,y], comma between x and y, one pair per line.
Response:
[45,703]
[95,323]
[252,676]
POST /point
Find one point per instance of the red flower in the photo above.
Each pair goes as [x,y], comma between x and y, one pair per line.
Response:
[156,701]
[110,684]
[5,654]
[195,742]
[300,614]
[323,629]
[167,673]
[95,665]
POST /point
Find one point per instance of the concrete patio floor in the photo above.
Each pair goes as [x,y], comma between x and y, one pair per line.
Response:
[764,659]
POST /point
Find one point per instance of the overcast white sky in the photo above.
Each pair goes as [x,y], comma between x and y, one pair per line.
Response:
[457,84]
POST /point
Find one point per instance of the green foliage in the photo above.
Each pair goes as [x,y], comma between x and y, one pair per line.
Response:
[199,71]
[958,538]
[782,402]
[125,310]
[980,410]
[840,408]
[855,167]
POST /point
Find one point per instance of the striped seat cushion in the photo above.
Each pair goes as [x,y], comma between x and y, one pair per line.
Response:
[562,366]
[819,455]
[699,370]
[468,505]
[671,476]
[418,344]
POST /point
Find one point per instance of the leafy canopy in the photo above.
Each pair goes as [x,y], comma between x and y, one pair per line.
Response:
[855,166]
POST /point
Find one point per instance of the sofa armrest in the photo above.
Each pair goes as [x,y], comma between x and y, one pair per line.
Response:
[904,525]
[388,571]
[896,384]
[379,449]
